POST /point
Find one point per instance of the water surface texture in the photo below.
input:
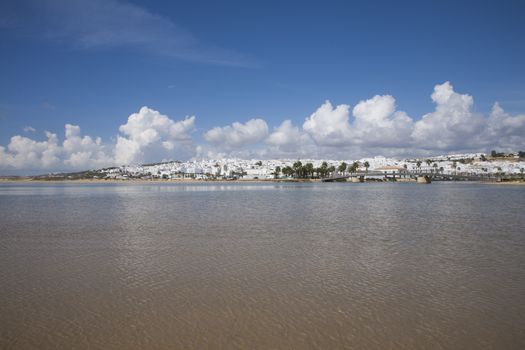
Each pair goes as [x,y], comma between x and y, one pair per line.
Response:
[262,266]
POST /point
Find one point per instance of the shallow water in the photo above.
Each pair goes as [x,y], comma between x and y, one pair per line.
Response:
[225,266]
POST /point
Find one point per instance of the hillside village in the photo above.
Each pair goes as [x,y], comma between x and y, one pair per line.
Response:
[476,163]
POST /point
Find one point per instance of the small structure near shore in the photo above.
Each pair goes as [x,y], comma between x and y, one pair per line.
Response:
[424,179]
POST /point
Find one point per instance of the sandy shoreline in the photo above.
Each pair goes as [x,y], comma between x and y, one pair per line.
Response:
[141,181]
[193,181]
[514,183]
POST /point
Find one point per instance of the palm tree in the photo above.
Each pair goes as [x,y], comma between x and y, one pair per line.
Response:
[418,164]
[367,165]
[287,171]
[428,161]
[355,166]
[297,168]
[309,169]
[342,168]
[331,169]
[323,169]
[277,171]
[435,167]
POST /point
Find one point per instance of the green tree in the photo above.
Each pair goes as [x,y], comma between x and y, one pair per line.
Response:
[342,167]
[323,169]
[367,165]
[277,171]
[354,167]
[309,169]
[418,164]
[287,171]
[331,169]
[297,168]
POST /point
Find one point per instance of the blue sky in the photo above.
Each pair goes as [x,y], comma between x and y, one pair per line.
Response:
[94,63]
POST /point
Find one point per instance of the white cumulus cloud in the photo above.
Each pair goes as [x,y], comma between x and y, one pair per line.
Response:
[147,135]
[75,152]
[288,140]
[83,151]
[285,134]
[238,134]
[25,153]
[329,126]
[505,131]
[147,132]
[378,124]
[452,126]
[374,126]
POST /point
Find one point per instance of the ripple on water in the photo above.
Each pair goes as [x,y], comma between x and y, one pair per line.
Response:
[262,266]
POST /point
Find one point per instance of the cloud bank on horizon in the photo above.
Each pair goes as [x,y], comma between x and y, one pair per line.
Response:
[372,127]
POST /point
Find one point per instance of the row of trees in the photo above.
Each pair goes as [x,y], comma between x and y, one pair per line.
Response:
[430,162]
[300,171]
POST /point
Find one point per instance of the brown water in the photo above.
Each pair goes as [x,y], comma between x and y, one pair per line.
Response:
[301,266]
